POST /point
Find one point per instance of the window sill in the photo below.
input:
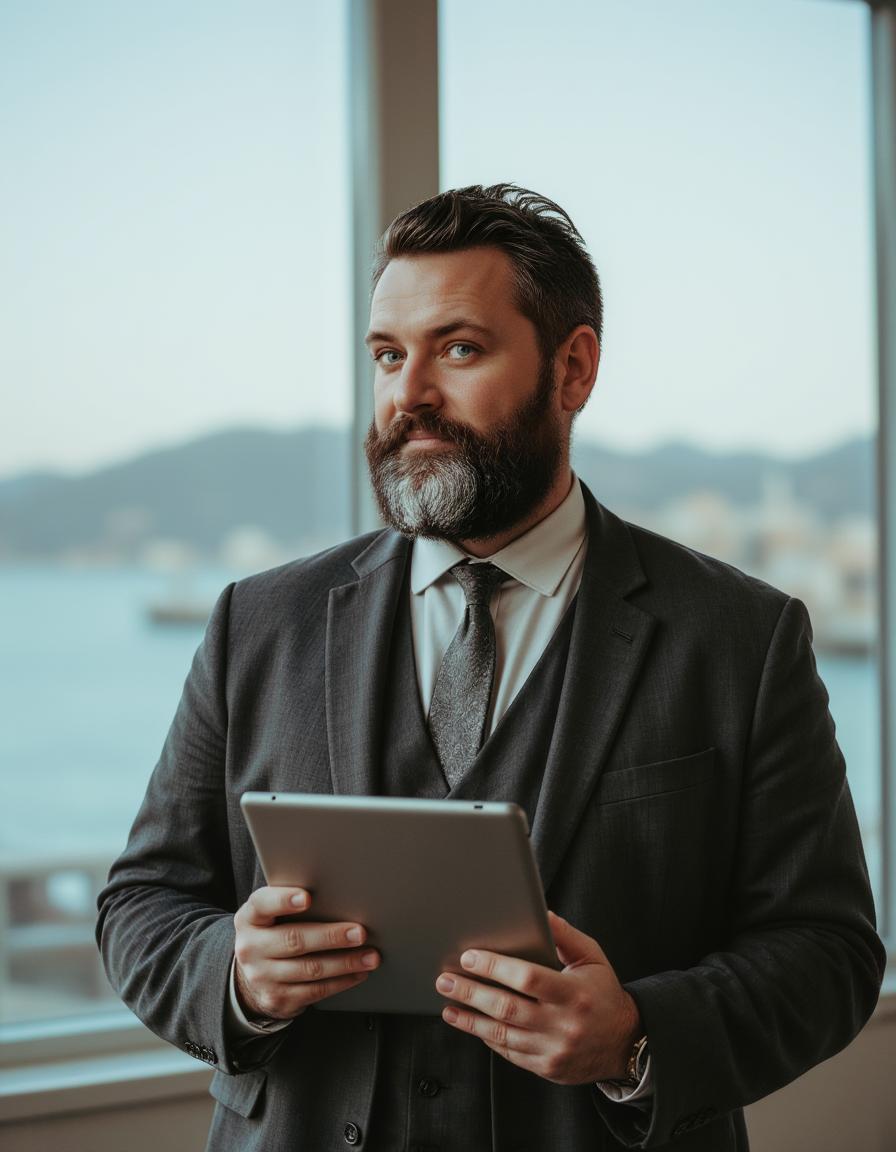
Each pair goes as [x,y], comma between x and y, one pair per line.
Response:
[159,1072]
[99,1082]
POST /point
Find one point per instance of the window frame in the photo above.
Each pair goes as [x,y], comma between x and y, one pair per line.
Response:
[883,104]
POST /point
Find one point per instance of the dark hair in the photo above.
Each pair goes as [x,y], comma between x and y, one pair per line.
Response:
[557,285]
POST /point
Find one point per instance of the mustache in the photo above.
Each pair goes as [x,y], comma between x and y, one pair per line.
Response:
[398,431]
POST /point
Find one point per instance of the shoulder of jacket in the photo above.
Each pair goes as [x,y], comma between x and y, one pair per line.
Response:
[675,570]
[307,574]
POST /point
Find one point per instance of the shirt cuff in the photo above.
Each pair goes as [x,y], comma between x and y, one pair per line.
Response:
[239,1026]
[639,1093]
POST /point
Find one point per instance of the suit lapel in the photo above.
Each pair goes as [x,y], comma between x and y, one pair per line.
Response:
[360,618]
[607,647]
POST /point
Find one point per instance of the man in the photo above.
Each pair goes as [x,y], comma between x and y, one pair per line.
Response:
[656,713]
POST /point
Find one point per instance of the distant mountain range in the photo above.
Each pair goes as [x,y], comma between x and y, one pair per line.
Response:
[293,486]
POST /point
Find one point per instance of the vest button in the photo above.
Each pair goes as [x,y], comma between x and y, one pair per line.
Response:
[429,1087]
[351,1134]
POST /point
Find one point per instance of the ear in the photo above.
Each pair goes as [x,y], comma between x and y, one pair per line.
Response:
[577,360]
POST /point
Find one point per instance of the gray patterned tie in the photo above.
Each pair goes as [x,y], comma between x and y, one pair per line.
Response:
[464,684]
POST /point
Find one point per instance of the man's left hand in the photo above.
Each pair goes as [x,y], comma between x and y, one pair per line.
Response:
[571,1027]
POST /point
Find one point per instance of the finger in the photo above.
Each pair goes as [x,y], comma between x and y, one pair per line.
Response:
[322,989]
[318,966]
[266,904]
[532,980]
[509,1042]
[284,1001]
[298,938]
[496,1002]
[573,946]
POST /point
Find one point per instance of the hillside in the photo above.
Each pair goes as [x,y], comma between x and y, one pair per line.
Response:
[293,487]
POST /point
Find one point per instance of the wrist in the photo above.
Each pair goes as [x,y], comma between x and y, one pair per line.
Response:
[250,1009]
[631,1048]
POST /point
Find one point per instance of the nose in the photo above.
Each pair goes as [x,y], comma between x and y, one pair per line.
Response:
[415,388]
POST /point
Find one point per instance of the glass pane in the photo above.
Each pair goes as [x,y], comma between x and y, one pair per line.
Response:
[175,299]
[716,158]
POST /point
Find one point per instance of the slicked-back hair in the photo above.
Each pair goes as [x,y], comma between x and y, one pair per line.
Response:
[557,285]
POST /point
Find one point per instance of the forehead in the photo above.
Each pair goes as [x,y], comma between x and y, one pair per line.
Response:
[425,289]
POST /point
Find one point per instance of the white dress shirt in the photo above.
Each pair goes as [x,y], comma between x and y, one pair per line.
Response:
[545,566]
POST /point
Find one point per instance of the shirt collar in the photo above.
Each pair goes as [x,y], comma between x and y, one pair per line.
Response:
[539,558]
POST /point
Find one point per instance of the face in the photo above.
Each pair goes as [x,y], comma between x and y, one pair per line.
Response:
[468,435]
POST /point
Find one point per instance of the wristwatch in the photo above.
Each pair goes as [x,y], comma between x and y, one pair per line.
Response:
[637,1062]
[635,1068]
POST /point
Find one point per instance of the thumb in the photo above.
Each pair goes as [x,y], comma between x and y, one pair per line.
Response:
[574,947]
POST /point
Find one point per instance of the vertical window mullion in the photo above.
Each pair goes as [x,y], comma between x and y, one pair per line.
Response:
[883,78]
[394,102]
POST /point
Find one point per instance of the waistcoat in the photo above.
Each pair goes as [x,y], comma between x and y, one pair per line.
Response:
[433,1086]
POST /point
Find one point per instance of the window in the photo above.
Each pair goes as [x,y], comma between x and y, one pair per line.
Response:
[717,159]
[175,237]
[176,300]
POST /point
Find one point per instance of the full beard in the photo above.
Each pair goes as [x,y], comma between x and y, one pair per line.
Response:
[476,486]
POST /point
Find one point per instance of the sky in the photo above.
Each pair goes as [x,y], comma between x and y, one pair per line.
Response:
[175,232]
[716,158]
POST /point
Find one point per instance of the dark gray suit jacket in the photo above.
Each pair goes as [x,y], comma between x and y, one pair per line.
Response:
[694,818]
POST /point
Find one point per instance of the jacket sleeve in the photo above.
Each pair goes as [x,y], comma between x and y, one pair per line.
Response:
[165,924]
[802,964]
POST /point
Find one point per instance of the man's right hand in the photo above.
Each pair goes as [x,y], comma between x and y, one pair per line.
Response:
[282,968]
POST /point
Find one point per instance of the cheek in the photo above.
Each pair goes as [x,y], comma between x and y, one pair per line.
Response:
[489,407]
[383,410]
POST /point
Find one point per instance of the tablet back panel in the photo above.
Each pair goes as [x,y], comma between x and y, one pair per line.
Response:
[428,879]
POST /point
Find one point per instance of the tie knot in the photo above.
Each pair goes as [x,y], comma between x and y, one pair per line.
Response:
[478,581]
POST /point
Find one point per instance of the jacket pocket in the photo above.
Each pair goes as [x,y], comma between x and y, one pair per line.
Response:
[657,778]
[239,1093]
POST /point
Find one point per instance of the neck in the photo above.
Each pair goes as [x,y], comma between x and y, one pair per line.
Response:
[489,545]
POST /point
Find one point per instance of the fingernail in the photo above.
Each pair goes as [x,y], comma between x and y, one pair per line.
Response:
[445,984]
[354,935]
[449,1014]
[370,959]
[468,960]
[299,900]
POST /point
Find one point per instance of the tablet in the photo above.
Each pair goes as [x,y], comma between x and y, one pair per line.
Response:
[427,878]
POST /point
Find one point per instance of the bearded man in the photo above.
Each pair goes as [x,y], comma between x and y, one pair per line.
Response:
[656,713]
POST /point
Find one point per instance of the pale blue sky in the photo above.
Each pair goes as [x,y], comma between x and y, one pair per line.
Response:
[173,222]
[715,155]
[174,210]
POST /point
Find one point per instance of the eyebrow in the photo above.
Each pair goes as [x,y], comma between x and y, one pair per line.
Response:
[434,333]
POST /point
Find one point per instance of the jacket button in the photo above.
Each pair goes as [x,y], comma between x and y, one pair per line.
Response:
[429,1087]
[369,1023]
[351,1134]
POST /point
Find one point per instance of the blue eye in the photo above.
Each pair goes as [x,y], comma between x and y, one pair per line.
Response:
[384,357]
[461,351]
